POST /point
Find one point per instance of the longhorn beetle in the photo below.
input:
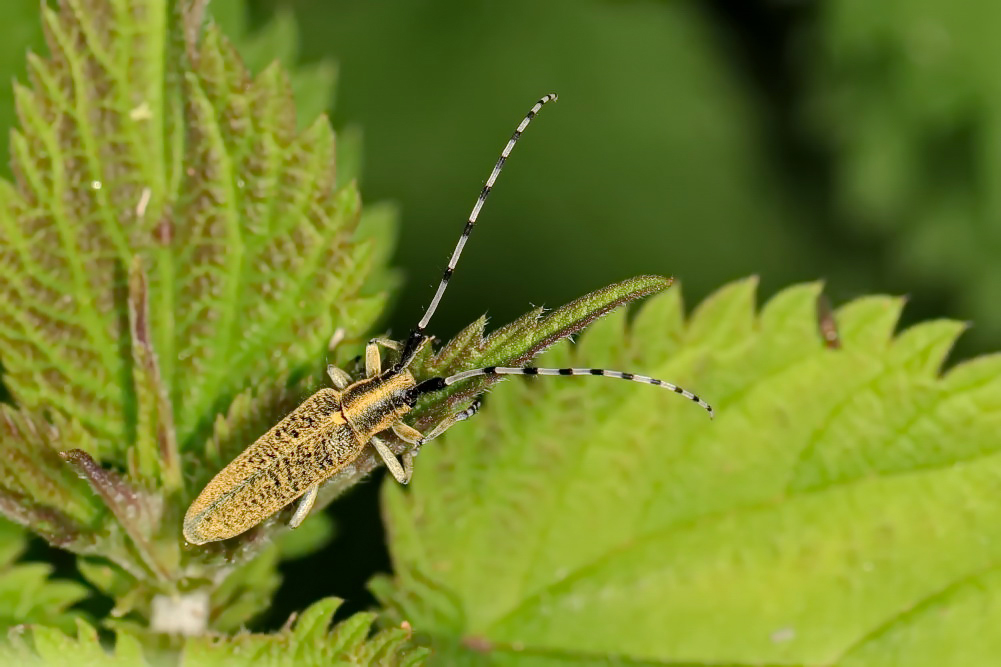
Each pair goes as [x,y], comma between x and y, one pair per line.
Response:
[332,427]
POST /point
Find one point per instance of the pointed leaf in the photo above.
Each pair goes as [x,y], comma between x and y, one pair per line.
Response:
[517,343]
[202,172]
[37,489]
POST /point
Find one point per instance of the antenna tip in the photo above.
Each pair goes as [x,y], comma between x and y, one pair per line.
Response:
[705,406]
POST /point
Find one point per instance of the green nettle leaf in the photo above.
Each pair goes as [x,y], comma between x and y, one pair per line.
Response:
[175,245]
[21,32]
[841,509]
[27,594]
[517,343]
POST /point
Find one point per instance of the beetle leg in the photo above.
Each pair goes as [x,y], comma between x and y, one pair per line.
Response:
[411,436]
[305,504]
[373,363]
[387,343]
[399,472]
[450,422]
[340,378]
[406,433]
[408,463]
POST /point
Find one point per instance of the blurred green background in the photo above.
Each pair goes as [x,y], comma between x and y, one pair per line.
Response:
[853,141]
[660,157]
[707,140]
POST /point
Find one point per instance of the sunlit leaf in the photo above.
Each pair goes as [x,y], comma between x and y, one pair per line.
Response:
[842,501]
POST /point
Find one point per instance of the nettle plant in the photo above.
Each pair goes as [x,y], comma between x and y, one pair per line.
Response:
[176,250]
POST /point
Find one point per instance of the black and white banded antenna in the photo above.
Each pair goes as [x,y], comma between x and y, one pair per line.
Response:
[439,383]
[417,336]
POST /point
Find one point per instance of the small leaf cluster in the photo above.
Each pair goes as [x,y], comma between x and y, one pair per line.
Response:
[306,640]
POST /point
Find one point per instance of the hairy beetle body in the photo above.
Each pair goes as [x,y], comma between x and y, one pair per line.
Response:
[325,433]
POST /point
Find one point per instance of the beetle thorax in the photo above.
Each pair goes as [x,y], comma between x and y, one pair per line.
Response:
[374,404]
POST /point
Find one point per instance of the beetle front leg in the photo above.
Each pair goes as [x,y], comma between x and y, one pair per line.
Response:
[411,436]
[339,377]
[373,362]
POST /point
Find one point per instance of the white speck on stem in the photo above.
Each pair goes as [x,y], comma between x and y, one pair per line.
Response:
[181,614]
[96,185]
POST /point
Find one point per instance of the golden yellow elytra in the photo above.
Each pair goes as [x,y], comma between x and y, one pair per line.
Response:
[321,436]
[333,426]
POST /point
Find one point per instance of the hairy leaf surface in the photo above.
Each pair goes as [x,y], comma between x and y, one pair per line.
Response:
[841,501]
[128,149]
[175,236]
